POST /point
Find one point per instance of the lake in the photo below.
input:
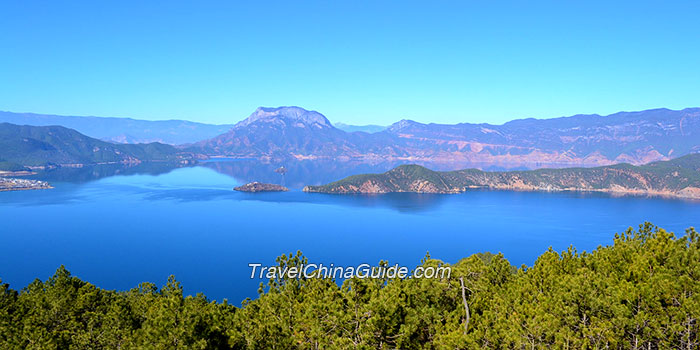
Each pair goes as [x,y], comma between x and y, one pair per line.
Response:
[116,227]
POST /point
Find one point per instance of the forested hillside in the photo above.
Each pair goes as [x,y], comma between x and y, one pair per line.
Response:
[41,146]
[678,177]
[640,293]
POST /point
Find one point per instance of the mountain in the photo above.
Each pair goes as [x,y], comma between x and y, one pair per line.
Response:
[281,132]
[370,129]
[632,137]
[293,132]
[123,130]
[675,178]
[581,140]
[42,146]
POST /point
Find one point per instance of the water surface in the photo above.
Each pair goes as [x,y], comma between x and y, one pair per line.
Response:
[118,227]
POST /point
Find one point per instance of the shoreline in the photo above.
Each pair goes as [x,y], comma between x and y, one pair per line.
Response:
[616,193]
[611,192]
[12,184]
[534,164]
[6,173]
[678,178]
[25,189]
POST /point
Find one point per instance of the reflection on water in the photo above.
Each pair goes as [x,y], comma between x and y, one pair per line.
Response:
[211,181]
[298,174]
[96,172]
[319,172]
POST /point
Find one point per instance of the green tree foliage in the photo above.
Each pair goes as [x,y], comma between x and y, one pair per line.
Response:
[642,292]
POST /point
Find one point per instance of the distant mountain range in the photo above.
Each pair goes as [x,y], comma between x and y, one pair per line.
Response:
[586,140]
[123,130]
[47,146]
[675,178]
[295,133]
[128,130]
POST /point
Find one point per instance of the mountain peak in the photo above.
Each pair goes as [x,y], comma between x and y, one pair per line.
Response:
[402,124]
[286,113]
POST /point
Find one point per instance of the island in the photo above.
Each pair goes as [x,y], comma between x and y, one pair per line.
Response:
[261,187]
[11,184]
[678,177]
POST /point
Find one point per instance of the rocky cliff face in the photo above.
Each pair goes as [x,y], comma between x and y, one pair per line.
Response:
[582,140]
[676,178]
[284,116]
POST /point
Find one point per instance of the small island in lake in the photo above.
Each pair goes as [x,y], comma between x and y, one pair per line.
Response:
[678,178]
[261,187]
[10,184]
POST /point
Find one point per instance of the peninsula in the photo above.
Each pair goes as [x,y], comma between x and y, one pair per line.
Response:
[261,187]
[679,177]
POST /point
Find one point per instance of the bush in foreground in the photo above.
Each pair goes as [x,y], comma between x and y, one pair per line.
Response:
[640,293]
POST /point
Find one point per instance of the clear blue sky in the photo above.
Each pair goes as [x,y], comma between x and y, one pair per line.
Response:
[356,61]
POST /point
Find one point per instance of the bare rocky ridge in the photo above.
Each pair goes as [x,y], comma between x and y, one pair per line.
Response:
[676,178]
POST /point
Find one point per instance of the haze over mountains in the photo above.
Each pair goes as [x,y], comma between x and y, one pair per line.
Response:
[123,130]
[129,130]
[297,133]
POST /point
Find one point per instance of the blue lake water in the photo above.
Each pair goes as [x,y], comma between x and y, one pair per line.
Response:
[119,228]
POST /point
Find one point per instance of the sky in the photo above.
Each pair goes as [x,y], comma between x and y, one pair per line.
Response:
[358,62]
